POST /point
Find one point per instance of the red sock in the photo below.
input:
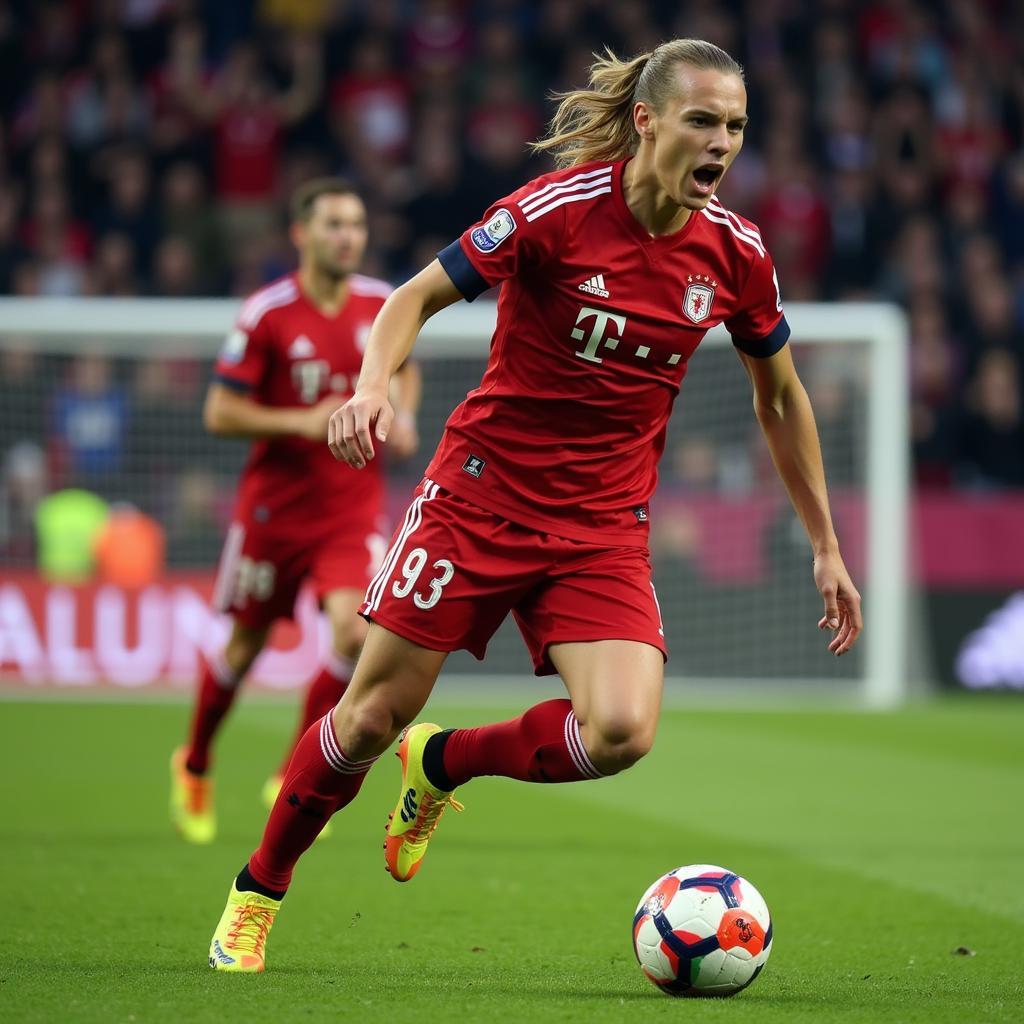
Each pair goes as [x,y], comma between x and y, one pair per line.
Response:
[322,694]
[542,745]
[218,685]
[320,780]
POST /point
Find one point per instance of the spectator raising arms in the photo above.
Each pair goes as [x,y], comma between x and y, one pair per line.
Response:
[249,117]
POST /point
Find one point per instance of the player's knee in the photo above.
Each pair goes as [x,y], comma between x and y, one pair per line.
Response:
[348,637]
[241,651]
[369,725]
[617,745]
[612,759]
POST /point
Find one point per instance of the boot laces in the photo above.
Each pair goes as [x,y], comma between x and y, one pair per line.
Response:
[431,810]
[248,931]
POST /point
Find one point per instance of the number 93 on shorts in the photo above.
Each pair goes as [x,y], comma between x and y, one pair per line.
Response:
[454,571]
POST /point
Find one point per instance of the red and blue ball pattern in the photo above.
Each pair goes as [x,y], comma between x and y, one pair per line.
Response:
[702,930]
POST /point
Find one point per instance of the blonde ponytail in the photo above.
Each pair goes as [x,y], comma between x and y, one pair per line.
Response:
[597,123]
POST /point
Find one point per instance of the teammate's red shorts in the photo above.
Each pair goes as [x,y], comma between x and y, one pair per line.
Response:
[261,570]
[454,571]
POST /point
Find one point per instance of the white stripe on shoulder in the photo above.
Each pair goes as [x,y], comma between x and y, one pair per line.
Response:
[363,285]
[584,176]
[748,229]
[571,197]
[562,190]
[266,299]
[753,243]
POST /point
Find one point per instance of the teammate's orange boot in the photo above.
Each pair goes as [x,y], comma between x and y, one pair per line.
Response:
[191,802]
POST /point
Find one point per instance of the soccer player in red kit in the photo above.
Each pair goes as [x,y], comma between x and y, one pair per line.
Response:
[295,352]
[536,502]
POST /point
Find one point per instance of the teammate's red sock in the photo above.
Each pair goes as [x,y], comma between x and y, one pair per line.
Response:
[542,745]
[320,780]
[322,694]
[218,685]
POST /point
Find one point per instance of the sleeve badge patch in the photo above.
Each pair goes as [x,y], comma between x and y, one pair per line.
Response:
[234,345]
[490,235]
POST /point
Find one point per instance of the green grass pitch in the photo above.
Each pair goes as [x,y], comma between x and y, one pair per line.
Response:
[882,843]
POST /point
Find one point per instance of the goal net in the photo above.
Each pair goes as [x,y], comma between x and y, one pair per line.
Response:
[107,395]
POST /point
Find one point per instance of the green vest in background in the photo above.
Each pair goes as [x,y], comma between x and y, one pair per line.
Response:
[67,525]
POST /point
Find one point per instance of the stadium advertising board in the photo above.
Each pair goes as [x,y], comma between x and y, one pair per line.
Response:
[978,638]
[59,637]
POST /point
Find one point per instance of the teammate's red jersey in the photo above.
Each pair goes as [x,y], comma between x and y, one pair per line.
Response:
[286,352]
[596,323]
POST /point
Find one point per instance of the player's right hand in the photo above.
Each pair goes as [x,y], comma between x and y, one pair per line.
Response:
[350,429]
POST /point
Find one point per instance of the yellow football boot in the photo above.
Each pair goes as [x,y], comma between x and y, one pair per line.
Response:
[191,802]
[419,809]
[239,943]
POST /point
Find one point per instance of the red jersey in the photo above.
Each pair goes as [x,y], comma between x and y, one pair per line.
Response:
[596,323]
[286,352]
[248,150]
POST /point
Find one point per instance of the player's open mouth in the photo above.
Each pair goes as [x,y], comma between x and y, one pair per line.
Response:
[705,178]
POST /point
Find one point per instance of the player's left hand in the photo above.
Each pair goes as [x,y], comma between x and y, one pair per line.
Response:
[403,438]
[842,602]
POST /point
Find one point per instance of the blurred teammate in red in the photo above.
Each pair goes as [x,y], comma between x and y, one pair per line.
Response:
[536,502]
[300,516]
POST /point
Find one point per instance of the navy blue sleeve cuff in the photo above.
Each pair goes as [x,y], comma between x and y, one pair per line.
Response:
[762,348]
[230,382]
[464,275]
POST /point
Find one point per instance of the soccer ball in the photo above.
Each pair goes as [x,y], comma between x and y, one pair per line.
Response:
[701,930]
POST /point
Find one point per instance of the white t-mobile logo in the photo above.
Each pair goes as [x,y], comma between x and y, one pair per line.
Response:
[597,334]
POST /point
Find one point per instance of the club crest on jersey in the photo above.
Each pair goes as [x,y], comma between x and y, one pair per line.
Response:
[489,236]
[698,297]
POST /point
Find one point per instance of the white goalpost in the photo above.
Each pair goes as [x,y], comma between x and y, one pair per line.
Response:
[732,571]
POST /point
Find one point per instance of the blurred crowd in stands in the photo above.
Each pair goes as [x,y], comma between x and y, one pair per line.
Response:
[147,147]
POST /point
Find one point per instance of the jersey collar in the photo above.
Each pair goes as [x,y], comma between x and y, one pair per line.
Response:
[330,318]
[635,228]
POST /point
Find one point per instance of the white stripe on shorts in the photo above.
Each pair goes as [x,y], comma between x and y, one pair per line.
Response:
[413,518]
[227,571]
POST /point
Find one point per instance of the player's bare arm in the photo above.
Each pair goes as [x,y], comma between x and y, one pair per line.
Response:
[231,413]
[787,421]
[406,391]
[391,340]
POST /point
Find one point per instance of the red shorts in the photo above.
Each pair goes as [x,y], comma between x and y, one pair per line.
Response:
[261,570]
[454,571]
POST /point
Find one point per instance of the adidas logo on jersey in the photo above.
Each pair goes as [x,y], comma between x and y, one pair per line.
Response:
[301,348]
[595,286]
